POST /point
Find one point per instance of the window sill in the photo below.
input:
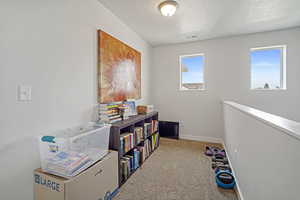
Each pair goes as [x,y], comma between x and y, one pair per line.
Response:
[281,89]
[181,89]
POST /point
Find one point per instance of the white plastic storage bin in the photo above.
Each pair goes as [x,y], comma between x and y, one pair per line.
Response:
[68,152]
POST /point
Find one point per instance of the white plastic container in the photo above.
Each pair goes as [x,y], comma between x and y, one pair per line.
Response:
[68,152]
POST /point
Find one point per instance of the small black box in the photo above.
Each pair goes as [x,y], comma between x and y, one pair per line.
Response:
[169,129]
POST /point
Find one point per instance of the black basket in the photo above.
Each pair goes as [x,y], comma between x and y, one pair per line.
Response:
[169,129]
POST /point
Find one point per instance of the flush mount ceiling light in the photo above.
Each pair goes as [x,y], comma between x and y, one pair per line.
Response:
[168,8]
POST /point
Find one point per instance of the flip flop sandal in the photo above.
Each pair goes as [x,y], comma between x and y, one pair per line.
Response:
[223,160]
[216,164]
[220,154]
[216,149]
[208,151]
[223,168]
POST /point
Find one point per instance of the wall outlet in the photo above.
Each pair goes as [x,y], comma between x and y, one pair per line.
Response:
[24,93]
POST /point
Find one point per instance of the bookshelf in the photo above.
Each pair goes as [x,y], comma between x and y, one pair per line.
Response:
[132,144]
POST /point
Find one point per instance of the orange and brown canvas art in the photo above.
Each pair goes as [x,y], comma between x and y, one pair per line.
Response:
[119,70]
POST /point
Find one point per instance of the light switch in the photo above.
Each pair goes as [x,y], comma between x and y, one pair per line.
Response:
[24,93]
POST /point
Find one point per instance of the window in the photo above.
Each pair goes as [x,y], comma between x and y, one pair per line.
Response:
[192,72]
[268,68]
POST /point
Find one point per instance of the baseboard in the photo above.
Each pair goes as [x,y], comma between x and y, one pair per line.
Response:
[201,138]
[237,187]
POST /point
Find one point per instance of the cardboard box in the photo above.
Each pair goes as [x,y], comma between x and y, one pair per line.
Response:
[99,182]
[144,109]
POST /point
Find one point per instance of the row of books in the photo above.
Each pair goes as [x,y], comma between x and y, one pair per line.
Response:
[139,134]
[129,164]
[154,141]
[154,126]
[127,142]
[149,146]
[145,150]
[130,140]
[134,159]
[150,128]
[147,129]
[109,113]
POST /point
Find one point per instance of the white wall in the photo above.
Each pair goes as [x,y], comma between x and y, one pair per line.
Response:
[52,46]
[265,159]
[227,72]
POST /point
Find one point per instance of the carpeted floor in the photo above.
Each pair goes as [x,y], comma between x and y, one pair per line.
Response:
[177,170]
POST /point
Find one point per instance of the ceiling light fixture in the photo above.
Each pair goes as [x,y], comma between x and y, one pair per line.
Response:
[168,8]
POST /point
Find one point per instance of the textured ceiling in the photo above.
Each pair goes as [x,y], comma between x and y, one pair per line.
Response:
[205,19]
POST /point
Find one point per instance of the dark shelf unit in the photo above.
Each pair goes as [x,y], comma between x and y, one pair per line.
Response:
[128,125]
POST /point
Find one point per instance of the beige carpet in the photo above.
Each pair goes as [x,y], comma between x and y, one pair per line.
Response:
[177,170]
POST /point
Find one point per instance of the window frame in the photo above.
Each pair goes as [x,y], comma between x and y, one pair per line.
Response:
[283,50]
[180,72]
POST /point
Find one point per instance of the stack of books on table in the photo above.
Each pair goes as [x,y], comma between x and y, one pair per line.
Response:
[125,111]
[127,142]
[109,113]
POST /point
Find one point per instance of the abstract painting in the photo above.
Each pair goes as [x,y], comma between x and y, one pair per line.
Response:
[119,70]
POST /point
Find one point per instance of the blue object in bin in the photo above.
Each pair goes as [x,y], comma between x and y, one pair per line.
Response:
[48,139]
[223,184]
[107,196]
